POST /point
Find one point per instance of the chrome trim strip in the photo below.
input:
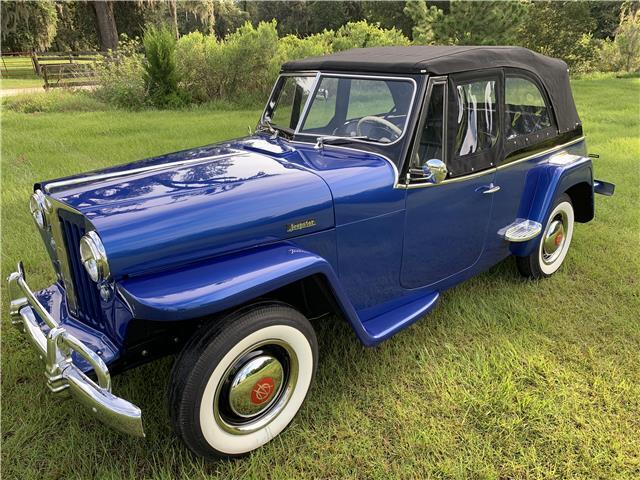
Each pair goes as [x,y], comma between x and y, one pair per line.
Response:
[544,152]
[494,169]
[55,349]
[123,173]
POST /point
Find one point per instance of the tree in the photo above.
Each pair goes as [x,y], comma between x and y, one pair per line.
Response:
[106,23]
[549,31]
[28,26]
[466,23]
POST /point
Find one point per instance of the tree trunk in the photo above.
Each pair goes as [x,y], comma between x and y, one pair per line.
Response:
[173,8]
[106,25]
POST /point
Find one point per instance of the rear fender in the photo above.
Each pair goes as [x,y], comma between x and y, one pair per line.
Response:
[547,181]
[209,287]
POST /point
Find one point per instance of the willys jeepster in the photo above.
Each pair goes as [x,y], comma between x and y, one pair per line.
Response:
[376,179]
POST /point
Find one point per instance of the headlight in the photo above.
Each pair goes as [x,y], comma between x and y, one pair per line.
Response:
[94,257]
[38,206]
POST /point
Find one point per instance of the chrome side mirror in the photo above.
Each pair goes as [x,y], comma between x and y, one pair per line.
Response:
[435,170]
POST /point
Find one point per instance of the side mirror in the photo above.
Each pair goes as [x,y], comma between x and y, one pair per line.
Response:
[435,170]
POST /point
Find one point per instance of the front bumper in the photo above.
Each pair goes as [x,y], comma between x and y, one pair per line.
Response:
[56,347]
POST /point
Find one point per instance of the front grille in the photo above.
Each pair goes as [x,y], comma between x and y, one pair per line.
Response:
[86,292]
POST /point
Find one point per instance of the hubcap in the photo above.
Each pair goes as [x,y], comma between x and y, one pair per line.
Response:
[255,386]
[554,238]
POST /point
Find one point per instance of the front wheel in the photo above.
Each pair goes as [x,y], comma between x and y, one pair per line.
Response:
[554,243]
[240,383]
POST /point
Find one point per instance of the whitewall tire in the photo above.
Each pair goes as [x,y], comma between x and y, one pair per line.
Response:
[554,242]
[240,383]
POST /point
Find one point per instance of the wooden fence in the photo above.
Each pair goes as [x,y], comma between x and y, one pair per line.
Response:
[70,69]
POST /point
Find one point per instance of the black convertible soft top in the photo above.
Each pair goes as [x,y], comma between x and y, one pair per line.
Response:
[444,60]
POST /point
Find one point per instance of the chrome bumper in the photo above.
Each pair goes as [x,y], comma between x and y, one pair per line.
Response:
[56,347]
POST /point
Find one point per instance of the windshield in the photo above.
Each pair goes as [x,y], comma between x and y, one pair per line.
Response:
[373,109]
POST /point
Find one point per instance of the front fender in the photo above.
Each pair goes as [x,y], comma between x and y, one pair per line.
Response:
[221,283]
[543,186]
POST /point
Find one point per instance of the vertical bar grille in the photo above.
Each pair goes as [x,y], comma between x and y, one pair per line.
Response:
[87,296]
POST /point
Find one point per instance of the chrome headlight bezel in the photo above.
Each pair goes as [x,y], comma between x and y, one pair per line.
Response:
[38,207]
[94,257]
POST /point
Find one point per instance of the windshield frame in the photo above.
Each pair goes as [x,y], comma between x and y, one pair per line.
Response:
[300,136]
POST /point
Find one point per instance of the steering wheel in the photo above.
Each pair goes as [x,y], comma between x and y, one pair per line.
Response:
[382,122]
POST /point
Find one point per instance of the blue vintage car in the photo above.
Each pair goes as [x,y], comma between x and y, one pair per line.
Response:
[376,179]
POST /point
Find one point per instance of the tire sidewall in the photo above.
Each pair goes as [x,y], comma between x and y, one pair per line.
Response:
[563,205]
[200,431]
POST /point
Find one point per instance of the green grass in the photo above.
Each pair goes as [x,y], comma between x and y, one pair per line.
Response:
[505,379]
[13,83]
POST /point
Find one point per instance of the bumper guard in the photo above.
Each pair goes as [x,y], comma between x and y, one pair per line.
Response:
[56,347]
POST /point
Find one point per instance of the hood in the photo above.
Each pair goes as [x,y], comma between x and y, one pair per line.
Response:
[196,204]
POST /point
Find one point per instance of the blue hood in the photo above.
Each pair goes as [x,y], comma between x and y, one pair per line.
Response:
[195,204]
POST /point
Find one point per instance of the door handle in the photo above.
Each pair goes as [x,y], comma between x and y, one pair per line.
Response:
[491,188]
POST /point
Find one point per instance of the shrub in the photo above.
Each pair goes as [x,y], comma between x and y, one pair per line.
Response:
[161,75]
[291,47]
[362,34]
[121,76]
[622,53]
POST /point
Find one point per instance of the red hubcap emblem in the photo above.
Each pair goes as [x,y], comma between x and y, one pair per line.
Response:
[559,238]
[263,390]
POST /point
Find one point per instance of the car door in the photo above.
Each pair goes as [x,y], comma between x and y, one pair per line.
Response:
[446,221]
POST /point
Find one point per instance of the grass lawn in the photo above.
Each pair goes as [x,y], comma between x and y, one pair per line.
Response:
[507,378]
[13,83]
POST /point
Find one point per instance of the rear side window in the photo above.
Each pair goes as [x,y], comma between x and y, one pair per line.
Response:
[477,117]
[525,109]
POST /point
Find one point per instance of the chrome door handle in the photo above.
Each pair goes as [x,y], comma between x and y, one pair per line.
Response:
[491,189]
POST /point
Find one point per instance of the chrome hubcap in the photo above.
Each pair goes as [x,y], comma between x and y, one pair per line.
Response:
[554,238]
[256,386]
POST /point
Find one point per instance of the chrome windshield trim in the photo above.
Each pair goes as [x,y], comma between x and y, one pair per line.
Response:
[321,75]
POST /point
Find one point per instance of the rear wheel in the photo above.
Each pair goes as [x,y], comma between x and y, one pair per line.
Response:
[238,384]
[554,243]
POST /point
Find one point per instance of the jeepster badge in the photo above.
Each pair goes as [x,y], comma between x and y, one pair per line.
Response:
[292,227]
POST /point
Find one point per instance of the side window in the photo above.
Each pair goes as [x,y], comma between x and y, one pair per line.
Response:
[525,109]
[431,137]
[477,117]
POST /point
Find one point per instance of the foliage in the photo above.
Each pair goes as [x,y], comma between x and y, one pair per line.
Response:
[623,53]
[362,34]
[160,69]
[28,26]
[545,31]
[76,28]
[466,23]
[121,76]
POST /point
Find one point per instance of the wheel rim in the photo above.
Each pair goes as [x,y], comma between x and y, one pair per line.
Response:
[256,387]
[555,238]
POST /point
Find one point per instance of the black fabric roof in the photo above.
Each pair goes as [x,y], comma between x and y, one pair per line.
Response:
[444,60]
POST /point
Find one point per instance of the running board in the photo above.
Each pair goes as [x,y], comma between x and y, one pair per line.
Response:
[521,230]
[383,326]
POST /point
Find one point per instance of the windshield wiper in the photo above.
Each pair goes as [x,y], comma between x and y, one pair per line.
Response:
[267,126]
[333,140]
